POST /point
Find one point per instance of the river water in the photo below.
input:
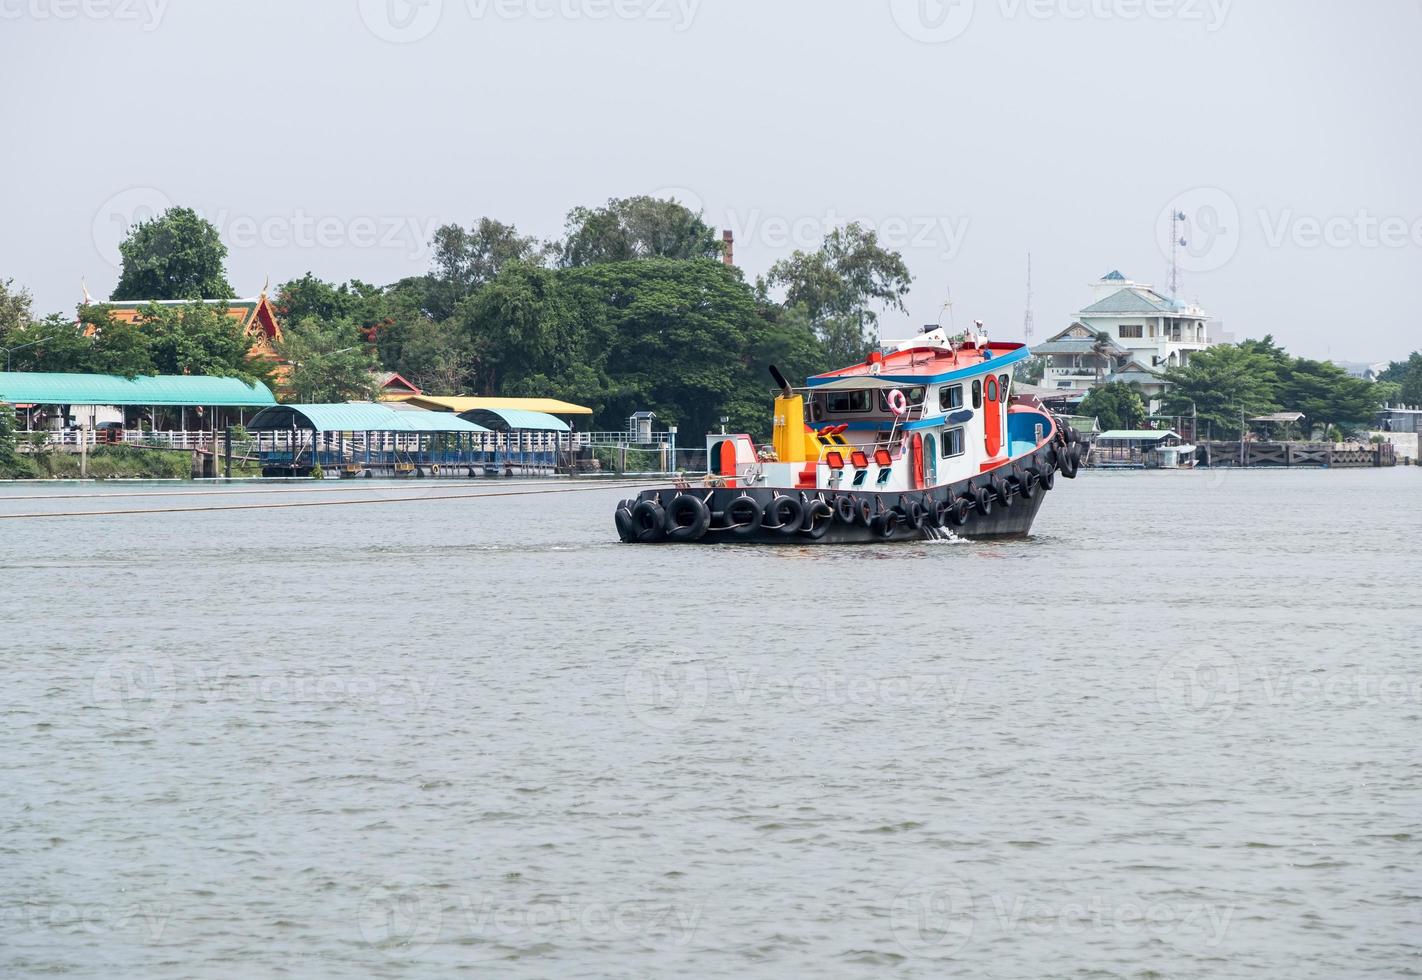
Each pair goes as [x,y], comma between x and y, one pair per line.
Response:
[1174,734]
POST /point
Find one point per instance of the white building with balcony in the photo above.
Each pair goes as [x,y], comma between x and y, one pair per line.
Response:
[1158,331]
[1128,333]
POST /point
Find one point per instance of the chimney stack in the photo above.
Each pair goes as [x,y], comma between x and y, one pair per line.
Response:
[728,254]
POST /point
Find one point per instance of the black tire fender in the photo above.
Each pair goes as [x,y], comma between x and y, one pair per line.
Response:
[649,521]
[687,518]
[982,497]
[743,516]
[819,517]
[787,513]
[1027,484]
[626,529]
[1000,491]
[844,509]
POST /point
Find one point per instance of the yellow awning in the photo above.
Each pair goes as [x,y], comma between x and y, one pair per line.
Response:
[548,406]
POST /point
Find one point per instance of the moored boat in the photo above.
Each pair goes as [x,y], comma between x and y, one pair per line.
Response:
[920,440]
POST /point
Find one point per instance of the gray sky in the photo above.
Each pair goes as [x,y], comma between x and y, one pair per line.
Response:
[334,136]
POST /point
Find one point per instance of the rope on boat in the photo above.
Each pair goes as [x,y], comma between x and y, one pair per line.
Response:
[312,503]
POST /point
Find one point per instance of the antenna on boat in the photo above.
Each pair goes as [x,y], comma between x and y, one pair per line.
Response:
[1028,327]
[948,306]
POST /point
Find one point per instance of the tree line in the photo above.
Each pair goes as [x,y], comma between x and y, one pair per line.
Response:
[1228,384]
[631,309]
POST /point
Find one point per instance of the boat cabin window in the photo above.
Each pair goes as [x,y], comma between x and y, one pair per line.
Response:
[1002,381]
[977,394]
[848,402]
[950,397]
[992,389]
[952,443]
[914,395]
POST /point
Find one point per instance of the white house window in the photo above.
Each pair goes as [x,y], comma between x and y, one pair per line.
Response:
[1132,331]
[952,443]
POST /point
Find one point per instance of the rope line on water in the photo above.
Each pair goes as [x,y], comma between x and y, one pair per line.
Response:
[264,491]
[310,503]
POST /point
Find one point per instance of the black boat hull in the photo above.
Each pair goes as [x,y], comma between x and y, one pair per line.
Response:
[1002,503]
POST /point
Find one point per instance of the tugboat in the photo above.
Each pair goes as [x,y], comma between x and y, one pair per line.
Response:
[919,441]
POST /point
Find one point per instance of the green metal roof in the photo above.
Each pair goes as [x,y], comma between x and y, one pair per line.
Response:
[1133,301]
[357,417]
[516,420]
[30,388]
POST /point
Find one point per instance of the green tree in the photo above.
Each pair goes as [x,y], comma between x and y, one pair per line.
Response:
[177,255]
[1117,405]
[436,357]
[200,338]
[677,336]
[1221,384]
[16,308]
[840,284]
[1407,375]
[1032,370]
[1104,349]
[1328,396]
[101,344]
[466,259]
[12,464]
[329,361]
[521,331]
[636,228]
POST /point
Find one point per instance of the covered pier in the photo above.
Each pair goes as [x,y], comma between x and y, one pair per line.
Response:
[171,411]
[367,439]
[528,435]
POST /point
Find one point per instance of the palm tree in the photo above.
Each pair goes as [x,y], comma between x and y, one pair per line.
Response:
[1104,350]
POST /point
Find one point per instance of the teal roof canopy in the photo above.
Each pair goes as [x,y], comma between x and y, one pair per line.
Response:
[516,420]
[34,388]
[358,417]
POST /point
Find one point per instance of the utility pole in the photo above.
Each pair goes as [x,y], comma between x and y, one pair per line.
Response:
[1242,434]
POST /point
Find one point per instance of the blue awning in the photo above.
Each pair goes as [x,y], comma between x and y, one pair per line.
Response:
[516,420]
